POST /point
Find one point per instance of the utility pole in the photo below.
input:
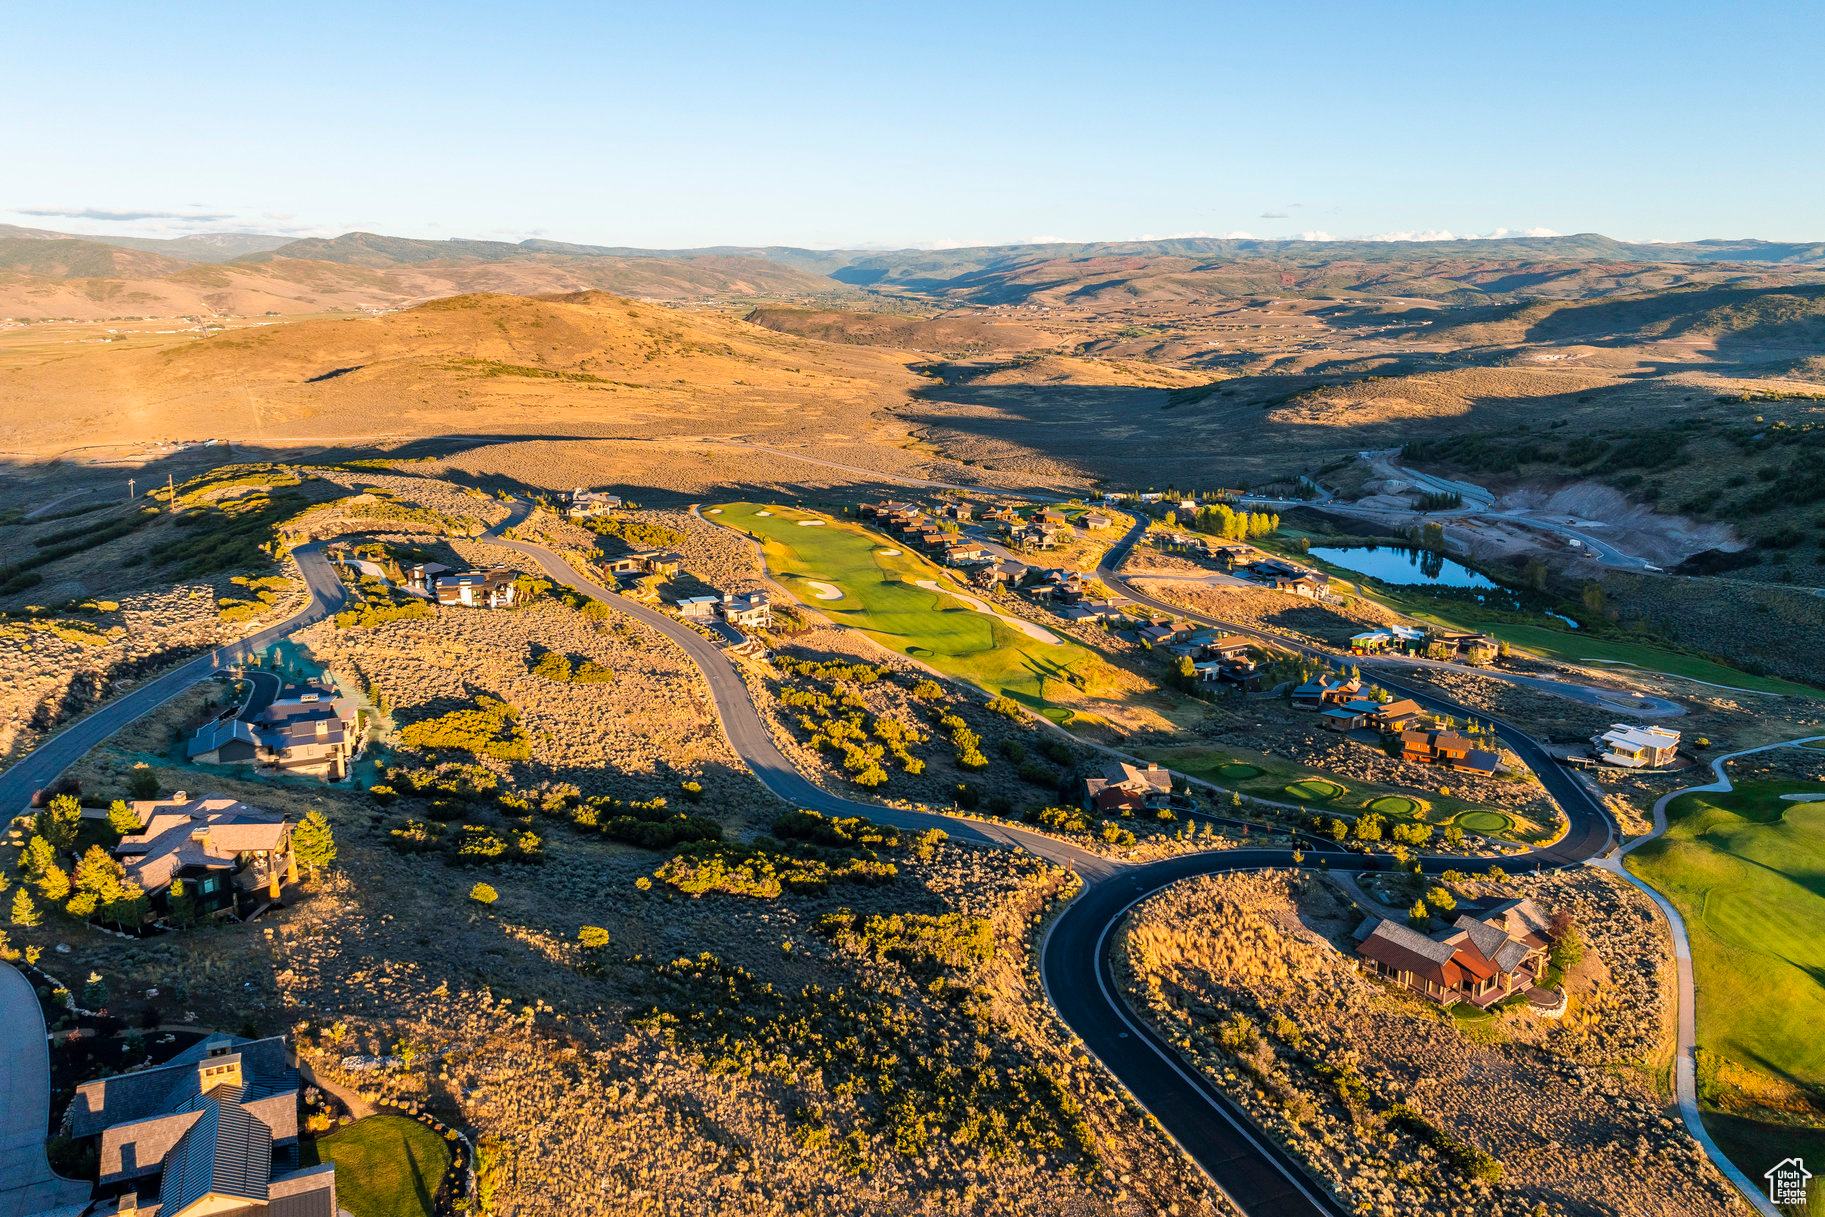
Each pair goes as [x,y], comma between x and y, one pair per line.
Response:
[171,490]
[129,488]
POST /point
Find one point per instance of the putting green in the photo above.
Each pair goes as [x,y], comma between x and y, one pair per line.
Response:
[1315,790]
[1237,771]
[884,602]
[1483,821]
[1395,805]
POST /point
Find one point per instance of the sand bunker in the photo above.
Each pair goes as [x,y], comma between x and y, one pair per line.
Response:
[810,523]
[888,553]
[763,513]
[1036,632]
[825,591]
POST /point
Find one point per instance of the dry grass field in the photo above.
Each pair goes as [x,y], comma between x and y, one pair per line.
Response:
[1406,1107]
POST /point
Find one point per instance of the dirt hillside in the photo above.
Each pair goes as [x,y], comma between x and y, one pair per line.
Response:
[588,364]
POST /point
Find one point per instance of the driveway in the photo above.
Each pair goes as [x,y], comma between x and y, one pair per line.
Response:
[27,1183]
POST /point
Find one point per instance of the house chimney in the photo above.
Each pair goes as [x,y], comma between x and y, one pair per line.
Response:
[129,1203]
[323,727]
[182,796]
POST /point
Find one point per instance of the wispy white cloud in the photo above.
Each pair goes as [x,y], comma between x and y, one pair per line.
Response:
[120,215]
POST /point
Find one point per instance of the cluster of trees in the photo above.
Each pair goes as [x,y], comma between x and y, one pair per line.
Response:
[1222,520]
[639,534]
[557,666]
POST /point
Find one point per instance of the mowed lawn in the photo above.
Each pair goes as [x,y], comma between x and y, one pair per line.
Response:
[386,1166]
[1747,872]
[881,598]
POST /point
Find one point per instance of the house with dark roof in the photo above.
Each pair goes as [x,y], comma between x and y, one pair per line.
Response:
[211,1133]
[1449,749]
[1481,958]
[477,588]
[228,854]
[1323,691]
[1123,787]
[307,728]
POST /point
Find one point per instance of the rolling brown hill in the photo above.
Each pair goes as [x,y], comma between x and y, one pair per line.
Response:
[584,364]
[948,333]
[83,280]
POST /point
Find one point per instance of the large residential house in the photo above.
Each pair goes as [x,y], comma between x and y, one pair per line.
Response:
[1326,690]
[1449,749]
[477,588]
[421,578]
[585,503]
[955,511]
[211,1133]
[1481,958]
[229,855]
[308,728]
[1396,637]
[753,610]
[1636,747]
[1123,787]
[1467,645]
[644,562]
[1396,715]
[697,608]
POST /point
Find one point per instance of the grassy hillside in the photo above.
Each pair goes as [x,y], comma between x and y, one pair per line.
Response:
[960,334]
[586,364]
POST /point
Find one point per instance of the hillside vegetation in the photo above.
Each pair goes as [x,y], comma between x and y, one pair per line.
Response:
[583,364]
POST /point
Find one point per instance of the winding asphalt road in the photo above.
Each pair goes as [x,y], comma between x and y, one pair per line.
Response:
[27,1183]
[40,767]
[1259,1177]
[1255,1173]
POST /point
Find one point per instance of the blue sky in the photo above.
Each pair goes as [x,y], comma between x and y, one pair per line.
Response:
[676,125]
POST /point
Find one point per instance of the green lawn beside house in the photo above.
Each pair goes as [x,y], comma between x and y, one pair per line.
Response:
[386,1166]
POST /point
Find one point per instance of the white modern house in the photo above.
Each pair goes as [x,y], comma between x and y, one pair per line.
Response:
[1637,747]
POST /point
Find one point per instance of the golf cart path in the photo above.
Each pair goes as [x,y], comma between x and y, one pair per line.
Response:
[1038,633]
[1685,1071]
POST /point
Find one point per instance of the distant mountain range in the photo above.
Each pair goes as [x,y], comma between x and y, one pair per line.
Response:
[51,274]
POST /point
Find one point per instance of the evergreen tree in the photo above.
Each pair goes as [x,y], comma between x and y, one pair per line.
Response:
[142,783]
[59,822]
[54,884]
[182,902]
[1418,914]
[99,875]
[313,843]
[122,819]
[25,913]
[38,857]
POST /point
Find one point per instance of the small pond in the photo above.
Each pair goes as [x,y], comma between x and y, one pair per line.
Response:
[1402,567]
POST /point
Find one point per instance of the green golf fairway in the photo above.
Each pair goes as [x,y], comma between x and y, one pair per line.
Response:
[881,599]
[1743,868]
